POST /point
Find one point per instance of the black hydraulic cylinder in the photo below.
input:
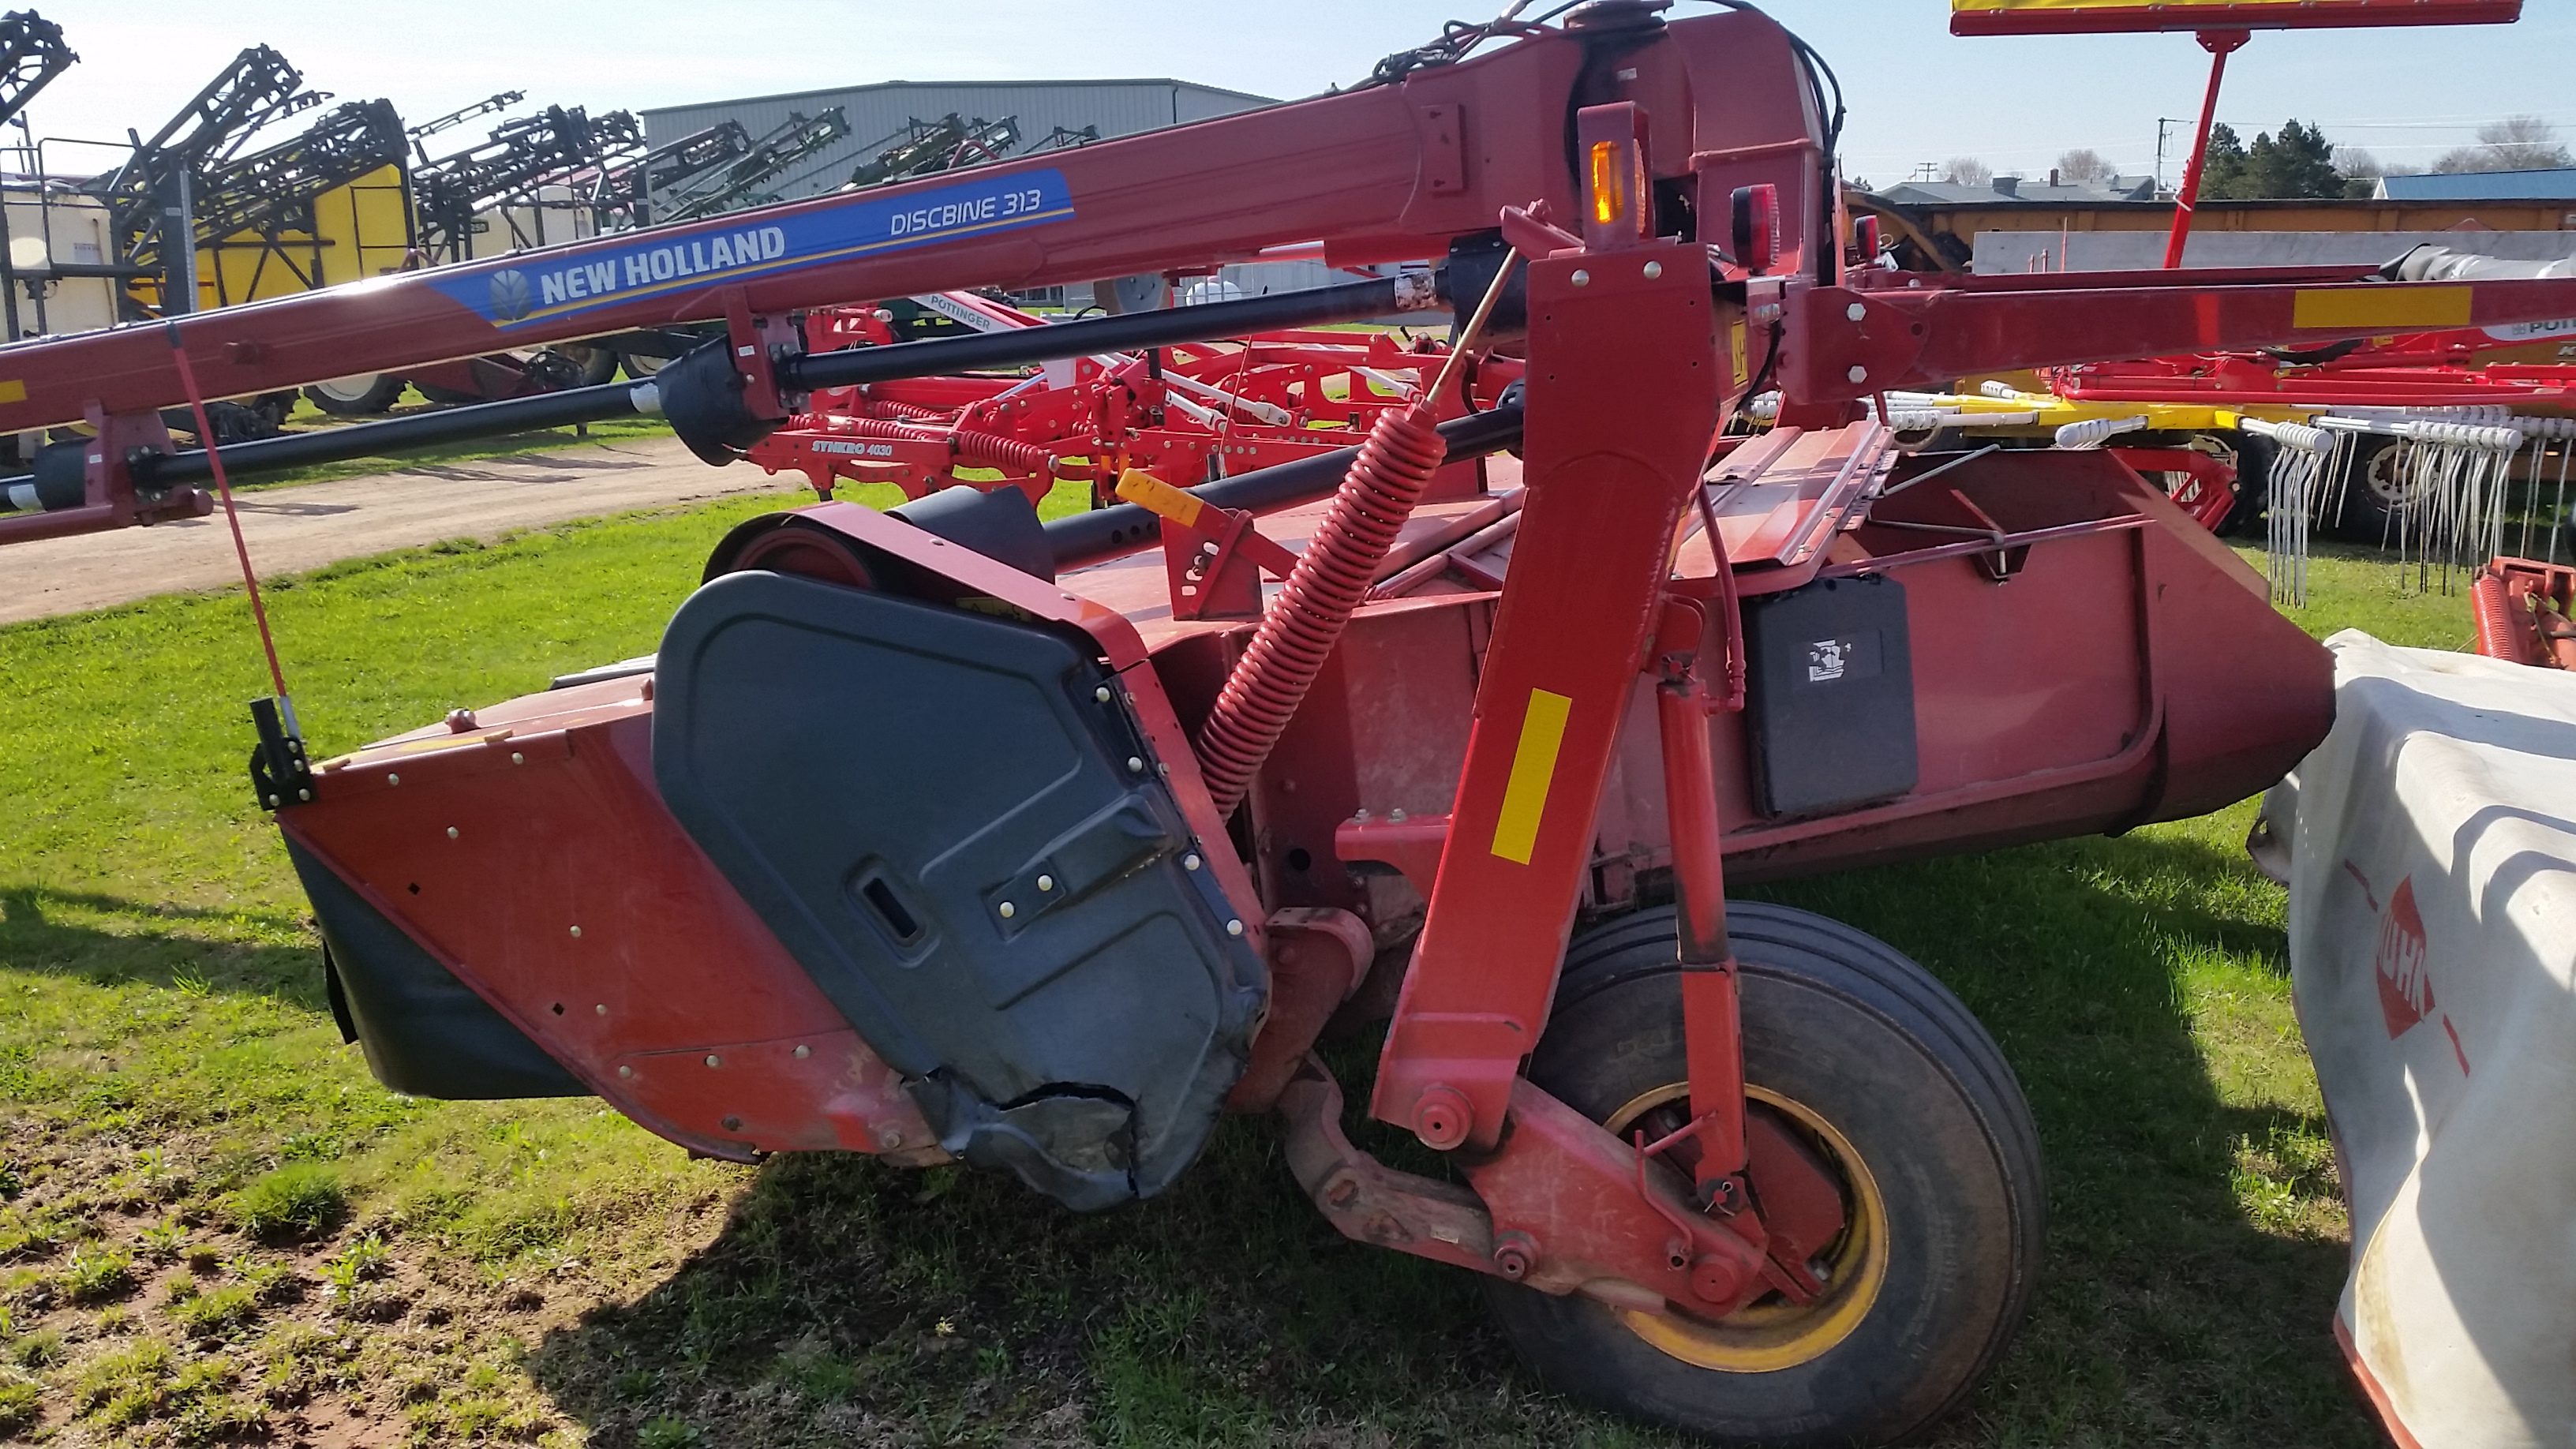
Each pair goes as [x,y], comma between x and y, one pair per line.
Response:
[1107,533]
[1019,347]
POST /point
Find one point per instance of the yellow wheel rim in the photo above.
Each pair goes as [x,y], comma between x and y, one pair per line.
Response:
[1772,1333]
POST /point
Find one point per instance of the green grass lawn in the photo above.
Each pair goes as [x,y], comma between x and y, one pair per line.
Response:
[217,1227]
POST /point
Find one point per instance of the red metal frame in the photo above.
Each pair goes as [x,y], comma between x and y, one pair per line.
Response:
[2524,610]
[1969,17]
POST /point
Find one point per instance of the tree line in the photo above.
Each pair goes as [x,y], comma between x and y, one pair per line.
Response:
[2298,161]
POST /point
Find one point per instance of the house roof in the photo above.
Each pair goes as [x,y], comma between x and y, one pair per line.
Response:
[2020,191]
[2556,183]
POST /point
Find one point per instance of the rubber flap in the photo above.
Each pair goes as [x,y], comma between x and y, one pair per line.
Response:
[971,852]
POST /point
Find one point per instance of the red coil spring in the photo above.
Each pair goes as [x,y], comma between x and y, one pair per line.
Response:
[989,449]
[1301,626]
[1002,452]
[894,411]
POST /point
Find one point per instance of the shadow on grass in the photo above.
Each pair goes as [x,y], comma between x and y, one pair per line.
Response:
[110,941]
[2166,1311]
[844,1300]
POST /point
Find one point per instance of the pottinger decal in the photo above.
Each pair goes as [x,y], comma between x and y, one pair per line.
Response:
[542,288]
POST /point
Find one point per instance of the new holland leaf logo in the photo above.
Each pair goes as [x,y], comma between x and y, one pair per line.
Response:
[510,295]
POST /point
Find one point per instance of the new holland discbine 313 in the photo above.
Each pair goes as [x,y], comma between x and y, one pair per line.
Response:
[945,834]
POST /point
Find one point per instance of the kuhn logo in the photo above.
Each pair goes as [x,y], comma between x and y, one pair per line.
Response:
[2405,985]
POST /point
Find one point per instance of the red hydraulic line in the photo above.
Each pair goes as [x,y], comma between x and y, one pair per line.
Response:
[2220,44]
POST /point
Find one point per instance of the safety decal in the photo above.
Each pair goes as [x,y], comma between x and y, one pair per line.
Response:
[543,288]
[1533,768]
[2392,307]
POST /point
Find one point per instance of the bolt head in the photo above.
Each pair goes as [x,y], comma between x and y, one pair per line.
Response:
[451,832]
[1441,1117]
[1654,270]
[1856,312]
[576,930]
[733,1124]
[1191,862]
[601,1008]
[803,1052]
[517,759]
[1715,1279]
[393,779]
[1581,278]
[1859,373]
[713,1060]
[625,1071]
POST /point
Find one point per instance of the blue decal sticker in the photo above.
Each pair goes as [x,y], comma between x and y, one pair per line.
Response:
[540,288]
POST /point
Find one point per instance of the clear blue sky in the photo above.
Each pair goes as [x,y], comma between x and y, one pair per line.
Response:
[1916,94]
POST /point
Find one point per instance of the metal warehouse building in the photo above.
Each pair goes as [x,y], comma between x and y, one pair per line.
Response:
[882,114]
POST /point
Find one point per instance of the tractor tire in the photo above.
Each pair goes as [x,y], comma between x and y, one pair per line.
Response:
[2254,456]
[1881,1071]
[593,363]
[2373,495]
[366,395]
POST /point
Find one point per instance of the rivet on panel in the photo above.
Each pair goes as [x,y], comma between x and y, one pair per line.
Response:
[1190,862]
[733,1124]
[1234,928]
[803,1052]
[1654,270]
[1046,882]
[393,779]
[1009,910]
[713,1060]
[601,1008]
[576,930]
[1101,694]
[517,759]
[451,832]
[1135,765]
[625,1071]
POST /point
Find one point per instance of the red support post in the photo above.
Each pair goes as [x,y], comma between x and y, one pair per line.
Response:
[2220,44]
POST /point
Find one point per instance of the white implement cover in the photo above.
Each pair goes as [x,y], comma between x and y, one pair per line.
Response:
[2431,849]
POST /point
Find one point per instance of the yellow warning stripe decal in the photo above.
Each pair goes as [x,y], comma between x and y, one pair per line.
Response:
[13,390]
[2382,307]
[1533,769]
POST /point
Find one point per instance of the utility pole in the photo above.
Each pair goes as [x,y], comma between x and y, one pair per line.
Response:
[2164,126]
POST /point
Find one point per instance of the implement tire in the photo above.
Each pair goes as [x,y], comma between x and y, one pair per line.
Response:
[1882,1072]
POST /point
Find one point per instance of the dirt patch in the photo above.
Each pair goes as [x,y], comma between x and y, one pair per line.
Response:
[290,530]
